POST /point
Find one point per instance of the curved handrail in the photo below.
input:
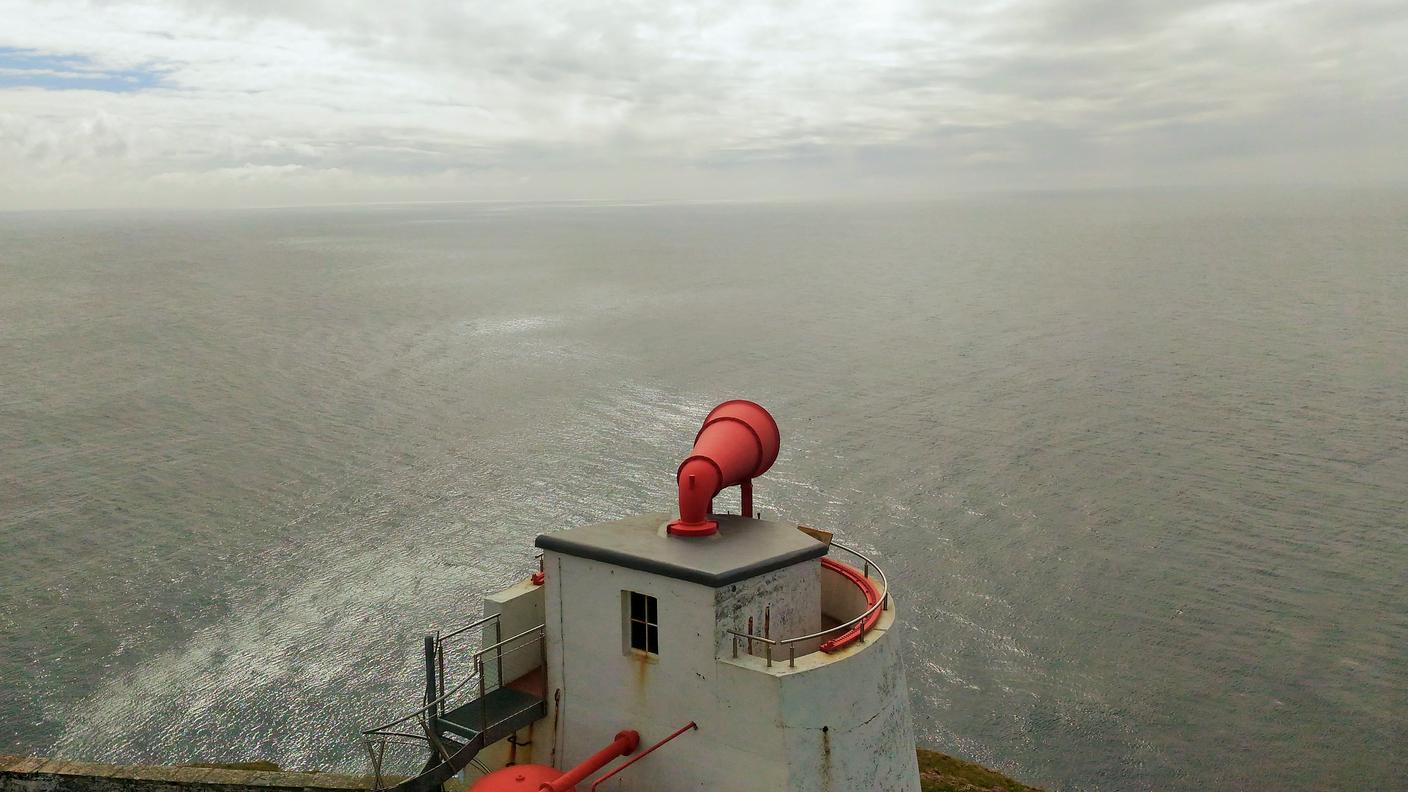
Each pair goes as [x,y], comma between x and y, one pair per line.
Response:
[872,598]
[431,705]
[883,602]
[407,735]
[439,642]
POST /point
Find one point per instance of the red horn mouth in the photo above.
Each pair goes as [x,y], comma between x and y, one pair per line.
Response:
[738,442]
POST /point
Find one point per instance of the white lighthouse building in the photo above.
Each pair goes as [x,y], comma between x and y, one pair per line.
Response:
[673,652]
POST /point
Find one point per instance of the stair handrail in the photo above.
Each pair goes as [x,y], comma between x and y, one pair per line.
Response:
[539,634]
[442,639]
[509,640]
[378,737]
[427,707]
[478,671]
[466,628]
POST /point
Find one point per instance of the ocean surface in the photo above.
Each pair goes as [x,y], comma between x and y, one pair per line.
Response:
[1136,463]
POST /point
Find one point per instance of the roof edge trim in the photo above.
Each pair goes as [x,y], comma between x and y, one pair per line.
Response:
[559,543]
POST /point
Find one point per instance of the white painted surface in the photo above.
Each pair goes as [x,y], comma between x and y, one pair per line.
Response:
[787,600]
[859,697]
[606,689]
[841,599]
[520,607]
[759,728]
[845,716]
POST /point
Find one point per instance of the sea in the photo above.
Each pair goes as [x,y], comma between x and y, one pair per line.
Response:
[1135,462]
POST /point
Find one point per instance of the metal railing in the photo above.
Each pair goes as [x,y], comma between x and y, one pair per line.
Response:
[791,643]
[456,635]
[377,738]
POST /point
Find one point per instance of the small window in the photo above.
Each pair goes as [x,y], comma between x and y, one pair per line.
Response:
[643,623]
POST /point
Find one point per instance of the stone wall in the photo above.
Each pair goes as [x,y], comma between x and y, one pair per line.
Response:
[35,774]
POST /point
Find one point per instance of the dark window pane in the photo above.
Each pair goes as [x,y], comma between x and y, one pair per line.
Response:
[643,619]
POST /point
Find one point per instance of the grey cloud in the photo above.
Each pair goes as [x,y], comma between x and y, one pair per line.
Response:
[1101,20]
[799,95]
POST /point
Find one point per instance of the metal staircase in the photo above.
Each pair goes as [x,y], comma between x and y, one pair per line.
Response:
[478,711]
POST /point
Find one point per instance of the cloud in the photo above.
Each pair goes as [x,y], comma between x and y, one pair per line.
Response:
[169,102]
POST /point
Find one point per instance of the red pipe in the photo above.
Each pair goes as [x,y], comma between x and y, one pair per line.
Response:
[738,442]
[643,754]
[625,742]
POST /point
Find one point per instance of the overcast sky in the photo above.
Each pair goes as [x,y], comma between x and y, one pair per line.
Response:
[255,102]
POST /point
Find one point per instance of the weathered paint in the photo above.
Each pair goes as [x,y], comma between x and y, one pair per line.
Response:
[845,716]
[791,596]
[832,722]
[606,687]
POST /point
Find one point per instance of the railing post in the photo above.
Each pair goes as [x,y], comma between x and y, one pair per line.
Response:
[735,646]
[499,651]
[479,667]
[440,665]
[543,656]
[767,650]
[430,686]
[791,655]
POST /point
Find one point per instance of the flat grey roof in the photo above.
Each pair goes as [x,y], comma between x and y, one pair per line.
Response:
[741,549]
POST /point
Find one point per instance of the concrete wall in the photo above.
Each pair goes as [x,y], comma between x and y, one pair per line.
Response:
[841,599]
[832,723]
[33,774]
[850,718]
[520,607]
[606,689]
[847,716]
[532,748]
[790,597]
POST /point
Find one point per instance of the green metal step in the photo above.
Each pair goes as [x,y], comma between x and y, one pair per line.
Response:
[499,714]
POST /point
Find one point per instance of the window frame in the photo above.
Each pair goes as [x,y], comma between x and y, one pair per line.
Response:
[641,623]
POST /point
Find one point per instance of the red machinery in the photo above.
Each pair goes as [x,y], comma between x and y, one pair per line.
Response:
[539,778]
[738,442]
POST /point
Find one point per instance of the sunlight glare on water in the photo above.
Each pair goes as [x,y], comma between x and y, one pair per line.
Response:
[1135,463]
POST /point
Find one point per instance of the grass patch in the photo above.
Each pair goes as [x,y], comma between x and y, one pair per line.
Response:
[943,773]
